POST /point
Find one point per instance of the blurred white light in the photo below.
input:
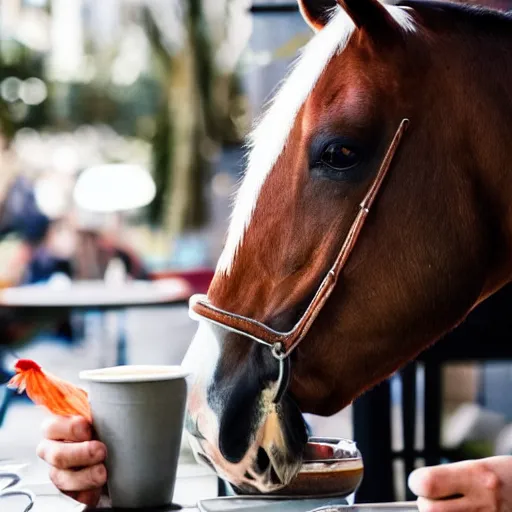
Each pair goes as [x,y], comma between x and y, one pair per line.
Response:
[222,184]
[114,188]
[51,197]
[33,91]
[10,89]
[90,221]
[37,3]
[132,57]
[67,40]
[30,148]
[32,29]
[237,34]
[26,136]
[88,70]
[124,72]
[65,159]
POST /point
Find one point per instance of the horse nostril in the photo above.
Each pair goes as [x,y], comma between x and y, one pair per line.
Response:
[274,478]
[248,476]
[262,461]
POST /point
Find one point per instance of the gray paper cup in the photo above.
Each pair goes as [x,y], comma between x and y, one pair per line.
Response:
[138,413]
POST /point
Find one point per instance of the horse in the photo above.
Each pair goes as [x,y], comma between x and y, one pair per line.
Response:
[373,216]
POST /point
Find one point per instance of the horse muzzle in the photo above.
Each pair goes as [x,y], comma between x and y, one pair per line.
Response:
[271,460]
[265,468]
[234,423]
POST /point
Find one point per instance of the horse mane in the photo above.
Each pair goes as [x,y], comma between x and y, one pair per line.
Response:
[472,13]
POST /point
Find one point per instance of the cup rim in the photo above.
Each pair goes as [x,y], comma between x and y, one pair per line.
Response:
[118,373]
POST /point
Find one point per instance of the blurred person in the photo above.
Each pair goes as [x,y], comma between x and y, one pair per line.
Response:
[63,247]
[98,244]
[47,250]
[95,251]
[20,216]
[52,254]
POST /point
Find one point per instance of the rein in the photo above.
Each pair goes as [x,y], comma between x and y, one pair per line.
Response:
[282,344]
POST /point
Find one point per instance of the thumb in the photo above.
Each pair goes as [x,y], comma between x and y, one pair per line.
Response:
[439,481]
[419,481]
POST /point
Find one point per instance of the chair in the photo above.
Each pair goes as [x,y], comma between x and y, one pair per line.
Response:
[484,335]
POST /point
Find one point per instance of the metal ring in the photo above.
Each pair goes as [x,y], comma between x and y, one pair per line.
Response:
[278,351]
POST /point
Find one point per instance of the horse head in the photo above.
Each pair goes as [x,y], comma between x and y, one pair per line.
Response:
[424,258]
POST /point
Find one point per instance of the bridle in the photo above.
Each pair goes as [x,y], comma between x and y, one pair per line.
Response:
[282,344]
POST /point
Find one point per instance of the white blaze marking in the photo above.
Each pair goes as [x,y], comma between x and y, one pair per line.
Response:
[203,353]
[201,361]
[269,137]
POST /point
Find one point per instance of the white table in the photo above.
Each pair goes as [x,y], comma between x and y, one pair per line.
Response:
[193,483]
[96,294]
[46,301]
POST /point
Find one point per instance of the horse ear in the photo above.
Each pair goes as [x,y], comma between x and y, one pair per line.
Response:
[317,13]
[372,16]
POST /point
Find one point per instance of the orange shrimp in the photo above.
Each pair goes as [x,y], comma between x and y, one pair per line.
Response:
[58,396]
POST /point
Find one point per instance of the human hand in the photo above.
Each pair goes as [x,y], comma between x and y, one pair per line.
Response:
[483,485]
[77,462]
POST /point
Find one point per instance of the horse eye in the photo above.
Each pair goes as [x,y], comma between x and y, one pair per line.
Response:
[339,157]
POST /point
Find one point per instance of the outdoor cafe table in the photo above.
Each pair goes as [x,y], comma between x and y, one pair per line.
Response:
[46,301]
[193,484]
[95,294]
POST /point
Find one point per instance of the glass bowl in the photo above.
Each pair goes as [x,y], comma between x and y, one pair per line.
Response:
[332,467]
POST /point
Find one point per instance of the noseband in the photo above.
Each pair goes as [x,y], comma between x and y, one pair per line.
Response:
[282,344]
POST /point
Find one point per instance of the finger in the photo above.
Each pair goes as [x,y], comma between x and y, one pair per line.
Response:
[456,505]
[75,429]
[447,481]
[89,498]
[91,478]
[439,481]
[71,455]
